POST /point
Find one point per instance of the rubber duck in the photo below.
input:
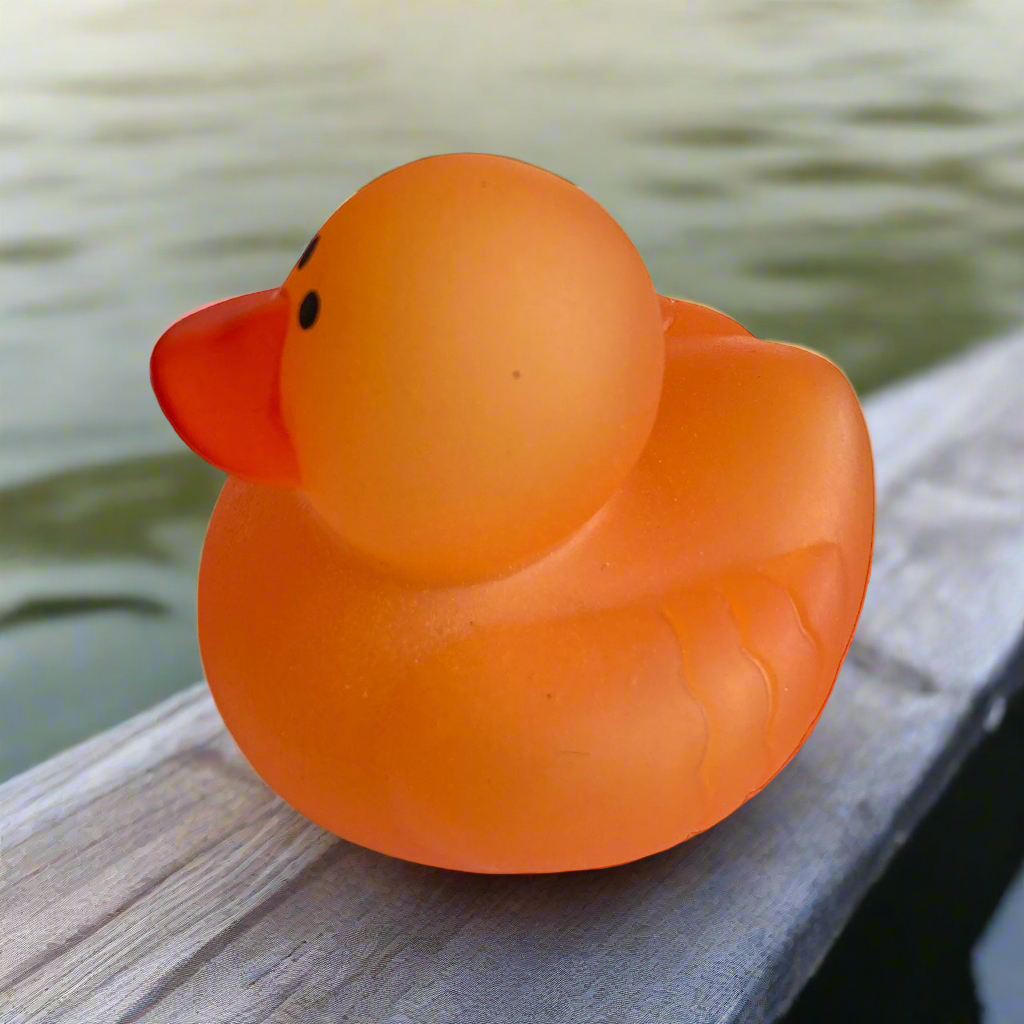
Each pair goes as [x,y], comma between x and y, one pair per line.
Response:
[519,566]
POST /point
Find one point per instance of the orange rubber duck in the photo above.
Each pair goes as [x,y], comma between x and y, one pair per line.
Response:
[519,566]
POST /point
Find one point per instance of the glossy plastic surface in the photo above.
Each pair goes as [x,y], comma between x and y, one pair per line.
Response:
[603,701]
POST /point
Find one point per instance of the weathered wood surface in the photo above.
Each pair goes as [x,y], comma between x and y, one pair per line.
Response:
[148,875]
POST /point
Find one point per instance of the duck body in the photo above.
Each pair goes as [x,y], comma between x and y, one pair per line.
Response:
[519,566]
[627,690]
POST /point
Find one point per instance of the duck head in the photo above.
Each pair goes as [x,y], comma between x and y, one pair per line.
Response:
[463,366]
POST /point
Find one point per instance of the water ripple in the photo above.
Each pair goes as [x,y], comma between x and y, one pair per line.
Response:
[681,188]
[38,250]
[61,304]
[147,132]
[254,78]
[106,511]
[16,135]
[42,609]
[706,136]
[36,183]
[924,114]
[242,244]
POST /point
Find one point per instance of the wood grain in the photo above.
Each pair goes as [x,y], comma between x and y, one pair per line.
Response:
[148,875]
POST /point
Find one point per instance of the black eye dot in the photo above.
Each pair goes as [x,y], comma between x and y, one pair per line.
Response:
[307,252]
[308,310]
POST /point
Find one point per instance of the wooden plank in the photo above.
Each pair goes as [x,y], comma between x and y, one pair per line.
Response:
[148,875]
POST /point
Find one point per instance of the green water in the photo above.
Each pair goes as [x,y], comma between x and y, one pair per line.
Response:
[849,175]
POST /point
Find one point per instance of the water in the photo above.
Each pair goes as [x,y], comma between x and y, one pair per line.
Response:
[843,174]
[996,960]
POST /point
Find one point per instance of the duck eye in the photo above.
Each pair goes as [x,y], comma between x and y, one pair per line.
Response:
[307,252]
[308,310]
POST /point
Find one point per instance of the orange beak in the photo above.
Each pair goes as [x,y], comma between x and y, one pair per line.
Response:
[216,375]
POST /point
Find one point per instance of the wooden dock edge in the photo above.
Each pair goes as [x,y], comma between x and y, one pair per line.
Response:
[148,875]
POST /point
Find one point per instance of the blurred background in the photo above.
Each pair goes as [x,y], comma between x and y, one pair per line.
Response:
[847,174]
